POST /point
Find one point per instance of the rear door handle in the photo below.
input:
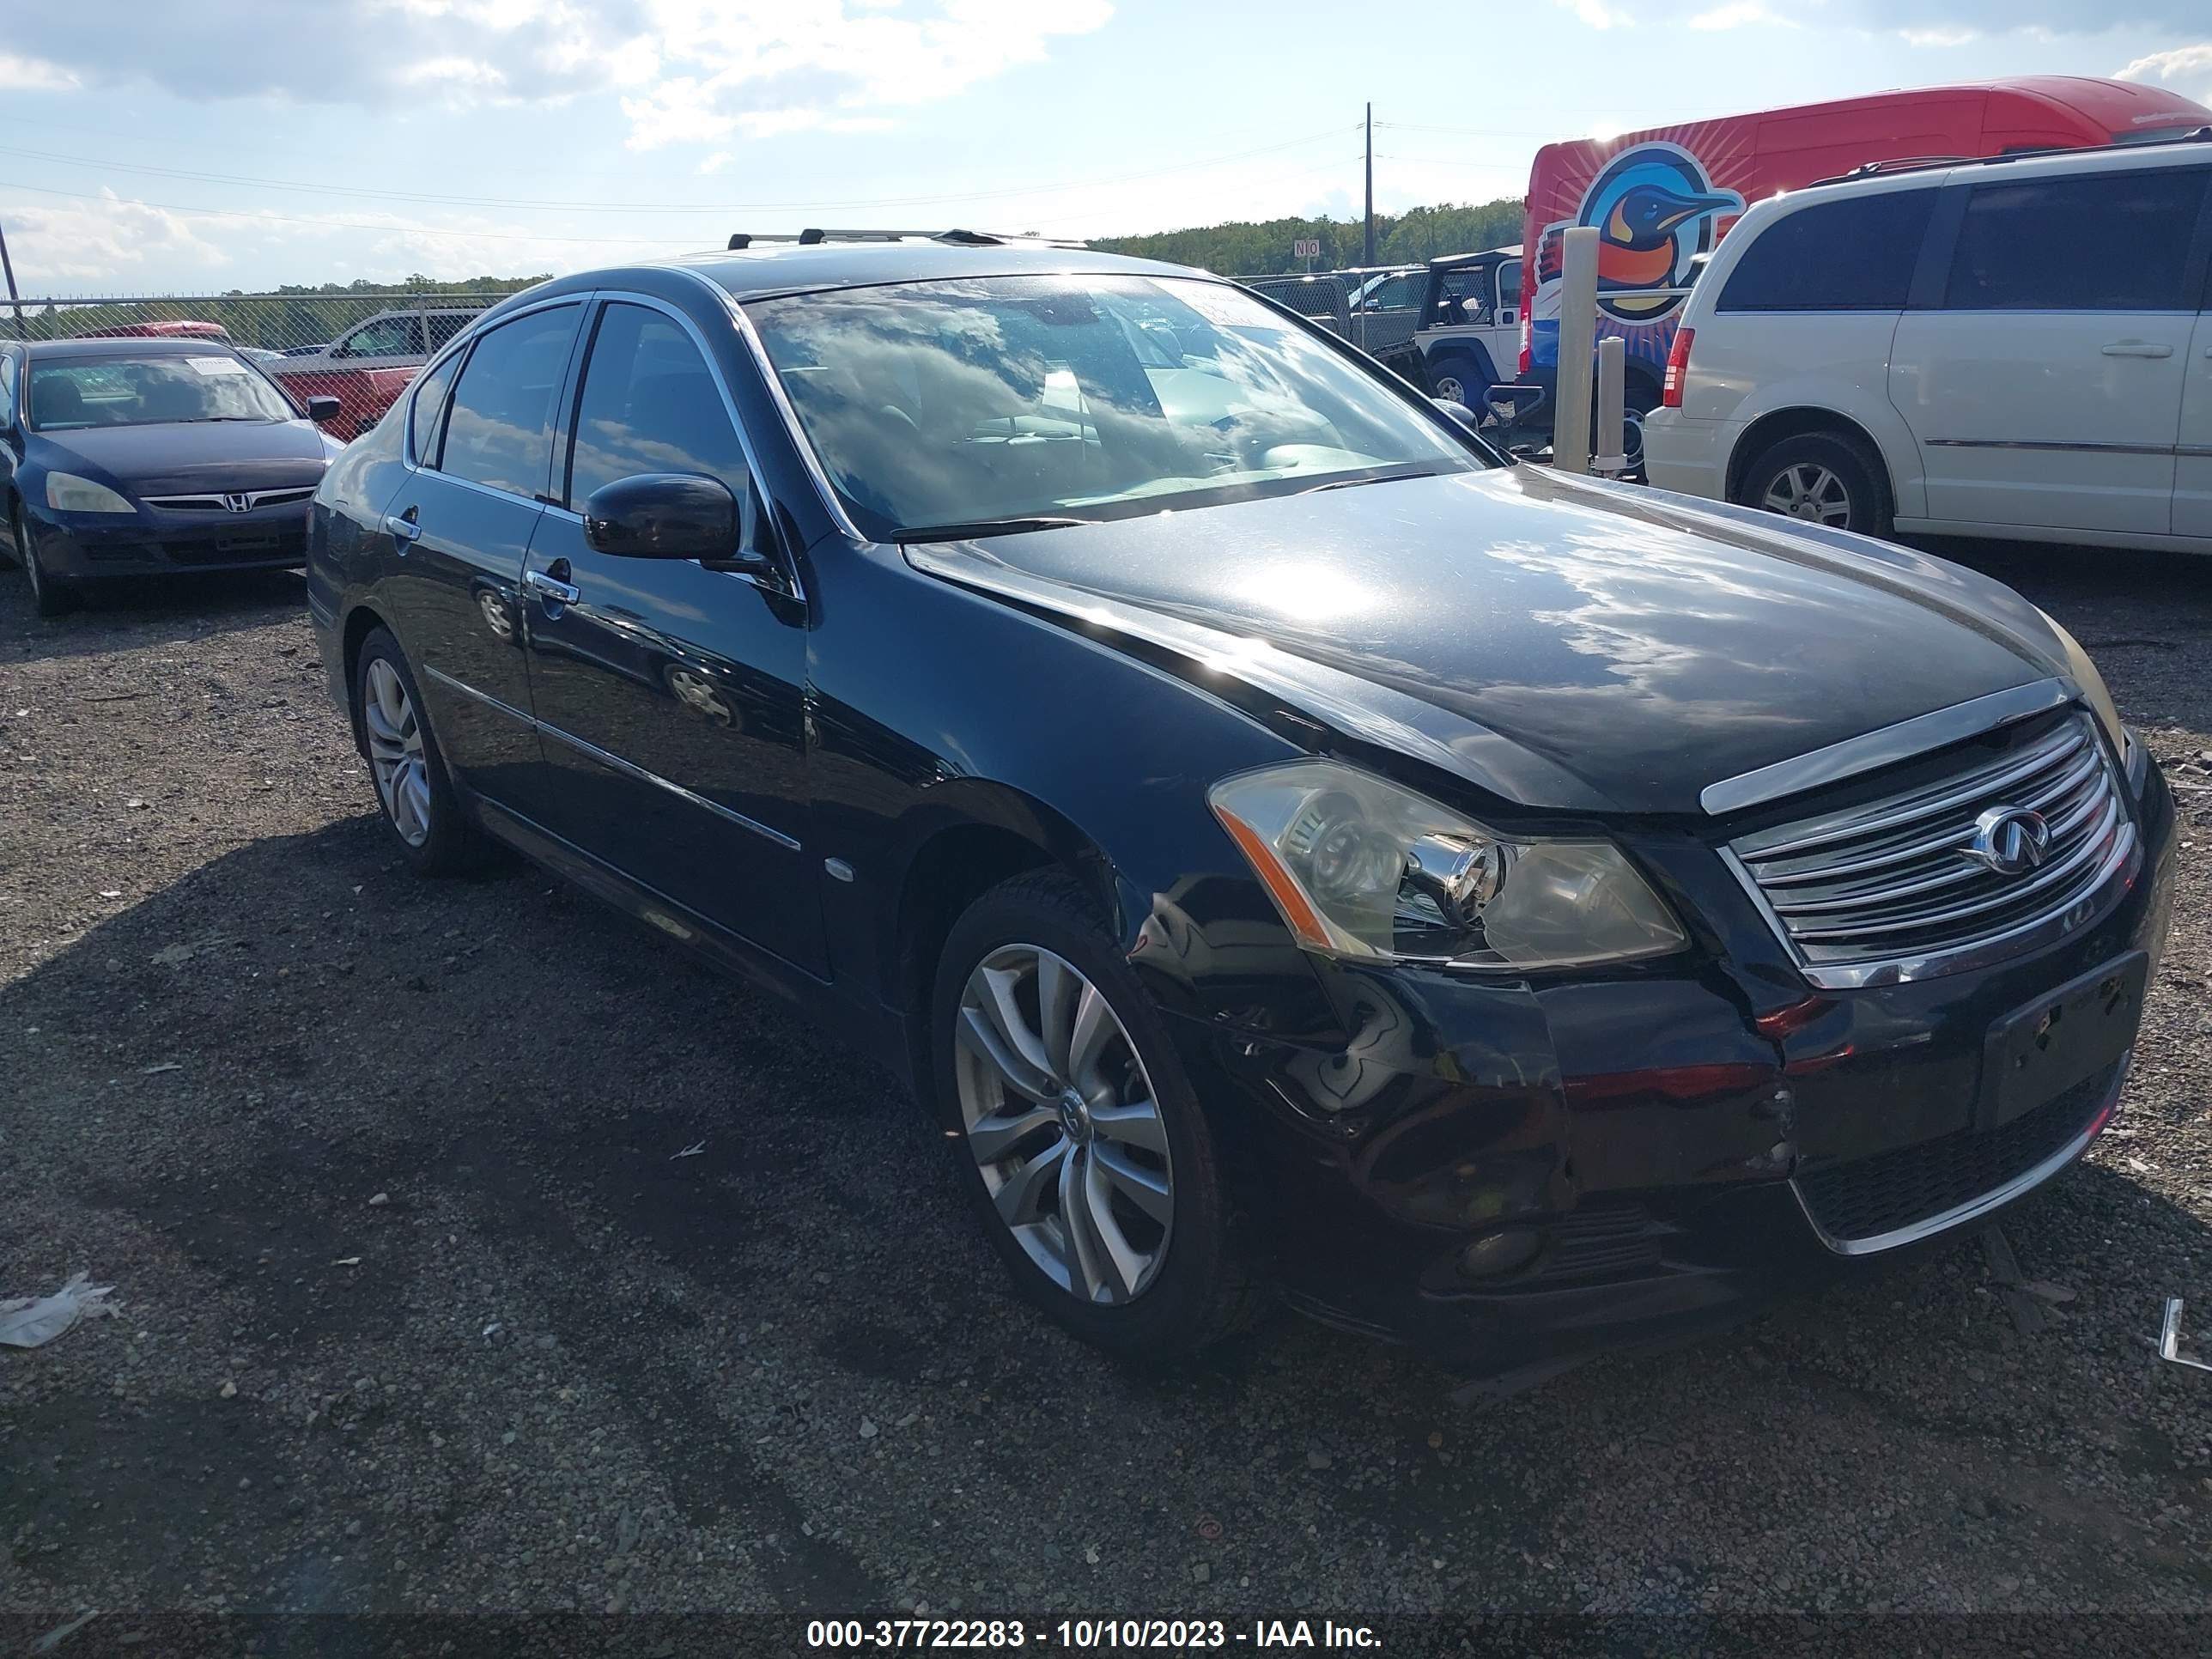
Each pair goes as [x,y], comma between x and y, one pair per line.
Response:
[2137,349]
[547,585]
[403,529]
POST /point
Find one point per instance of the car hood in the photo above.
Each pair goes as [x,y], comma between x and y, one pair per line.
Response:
[191,457]
[1560,642]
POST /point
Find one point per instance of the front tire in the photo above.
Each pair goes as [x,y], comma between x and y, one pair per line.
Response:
[1077,1136]
[50,595]
[414,793]
[1820,478]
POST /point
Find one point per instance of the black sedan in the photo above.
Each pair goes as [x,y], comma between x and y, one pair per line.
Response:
[133,457]
[1292,851]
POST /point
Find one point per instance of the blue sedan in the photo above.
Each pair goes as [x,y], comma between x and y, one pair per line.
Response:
[131,457]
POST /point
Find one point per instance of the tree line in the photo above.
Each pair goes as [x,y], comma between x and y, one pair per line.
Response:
[294,314]
[1243,248]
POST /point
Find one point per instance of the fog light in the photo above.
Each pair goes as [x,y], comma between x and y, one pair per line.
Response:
[1501,1252]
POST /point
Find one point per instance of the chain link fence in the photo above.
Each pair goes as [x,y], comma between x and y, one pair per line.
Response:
[361,348]
[1362,306]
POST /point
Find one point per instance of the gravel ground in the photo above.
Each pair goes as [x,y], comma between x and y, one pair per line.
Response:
[421,1310]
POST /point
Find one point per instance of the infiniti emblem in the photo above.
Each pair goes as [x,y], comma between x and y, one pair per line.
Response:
[238,503]
[2009,840]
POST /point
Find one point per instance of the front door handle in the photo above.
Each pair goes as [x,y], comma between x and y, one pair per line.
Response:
[547,585]
[2138,349]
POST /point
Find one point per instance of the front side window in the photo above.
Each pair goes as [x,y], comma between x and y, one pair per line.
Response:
[7,390]
[1509,283]
[384,336]
[70,394]
[2109,241]
[498,431]
[649,405]
[936,404]
[1856,254]
[1398,293]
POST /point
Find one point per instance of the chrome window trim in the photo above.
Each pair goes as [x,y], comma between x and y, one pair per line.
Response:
[2021,1184]
[465,340]
[1920,735]
[630,769]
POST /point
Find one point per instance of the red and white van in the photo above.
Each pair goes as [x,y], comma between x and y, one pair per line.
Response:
[1661,198]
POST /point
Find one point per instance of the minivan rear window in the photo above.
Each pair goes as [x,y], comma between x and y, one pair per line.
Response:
[2102,241]
[1851,255]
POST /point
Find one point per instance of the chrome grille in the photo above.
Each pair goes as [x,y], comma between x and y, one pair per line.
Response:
[217,503]
[1889,890]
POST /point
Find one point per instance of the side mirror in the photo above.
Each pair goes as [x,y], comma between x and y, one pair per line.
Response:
[664,515]
[1458,411]
[324,408]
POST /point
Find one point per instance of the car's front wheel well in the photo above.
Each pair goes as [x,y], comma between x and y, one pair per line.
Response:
[953,869]
[1772,429]
[360,622]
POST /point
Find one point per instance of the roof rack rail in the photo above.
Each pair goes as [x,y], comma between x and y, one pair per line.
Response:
[1912,164]
[814,237]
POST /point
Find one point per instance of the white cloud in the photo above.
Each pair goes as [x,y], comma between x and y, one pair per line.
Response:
[697,72]
[2187,70]
[714,162]
[1948,37]
[62,249]
[33,75]
[1595,14]
[1737,14]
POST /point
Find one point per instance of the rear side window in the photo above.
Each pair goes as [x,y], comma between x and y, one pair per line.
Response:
[387,337]
[2111,241]
[444,324]
[429,411]
[499,430]
[649,405]
[1852,255]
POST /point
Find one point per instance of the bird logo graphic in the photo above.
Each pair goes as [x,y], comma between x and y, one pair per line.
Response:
[1655,211]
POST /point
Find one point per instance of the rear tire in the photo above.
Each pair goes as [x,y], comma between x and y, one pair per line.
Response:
[1148,1270]
[1454,379]
[1820,478]
[417,802]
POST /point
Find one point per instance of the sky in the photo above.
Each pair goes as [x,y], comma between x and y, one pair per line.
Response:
[147,146]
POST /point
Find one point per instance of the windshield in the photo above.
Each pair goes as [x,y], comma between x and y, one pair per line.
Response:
[70,393]
[1048,398]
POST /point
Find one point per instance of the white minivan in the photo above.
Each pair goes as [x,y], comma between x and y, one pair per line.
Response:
[2017,347]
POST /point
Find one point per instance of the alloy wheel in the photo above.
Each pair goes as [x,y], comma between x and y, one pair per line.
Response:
[395,753]
[1064,1124]
[1806,489]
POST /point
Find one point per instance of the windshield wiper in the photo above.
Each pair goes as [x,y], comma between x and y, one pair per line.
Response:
[1353,484]
[963,532]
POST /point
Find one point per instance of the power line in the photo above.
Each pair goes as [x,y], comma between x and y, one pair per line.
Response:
[718,209]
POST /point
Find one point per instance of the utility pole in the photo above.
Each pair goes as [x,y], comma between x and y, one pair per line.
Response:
[13,298]
[1367,257]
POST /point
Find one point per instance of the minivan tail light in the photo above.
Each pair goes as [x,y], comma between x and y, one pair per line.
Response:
[1678,369]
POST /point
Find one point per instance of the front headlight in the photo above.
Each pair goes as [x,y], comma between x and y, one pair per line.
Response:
[67,493]
[1361,867]
[2092,683]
